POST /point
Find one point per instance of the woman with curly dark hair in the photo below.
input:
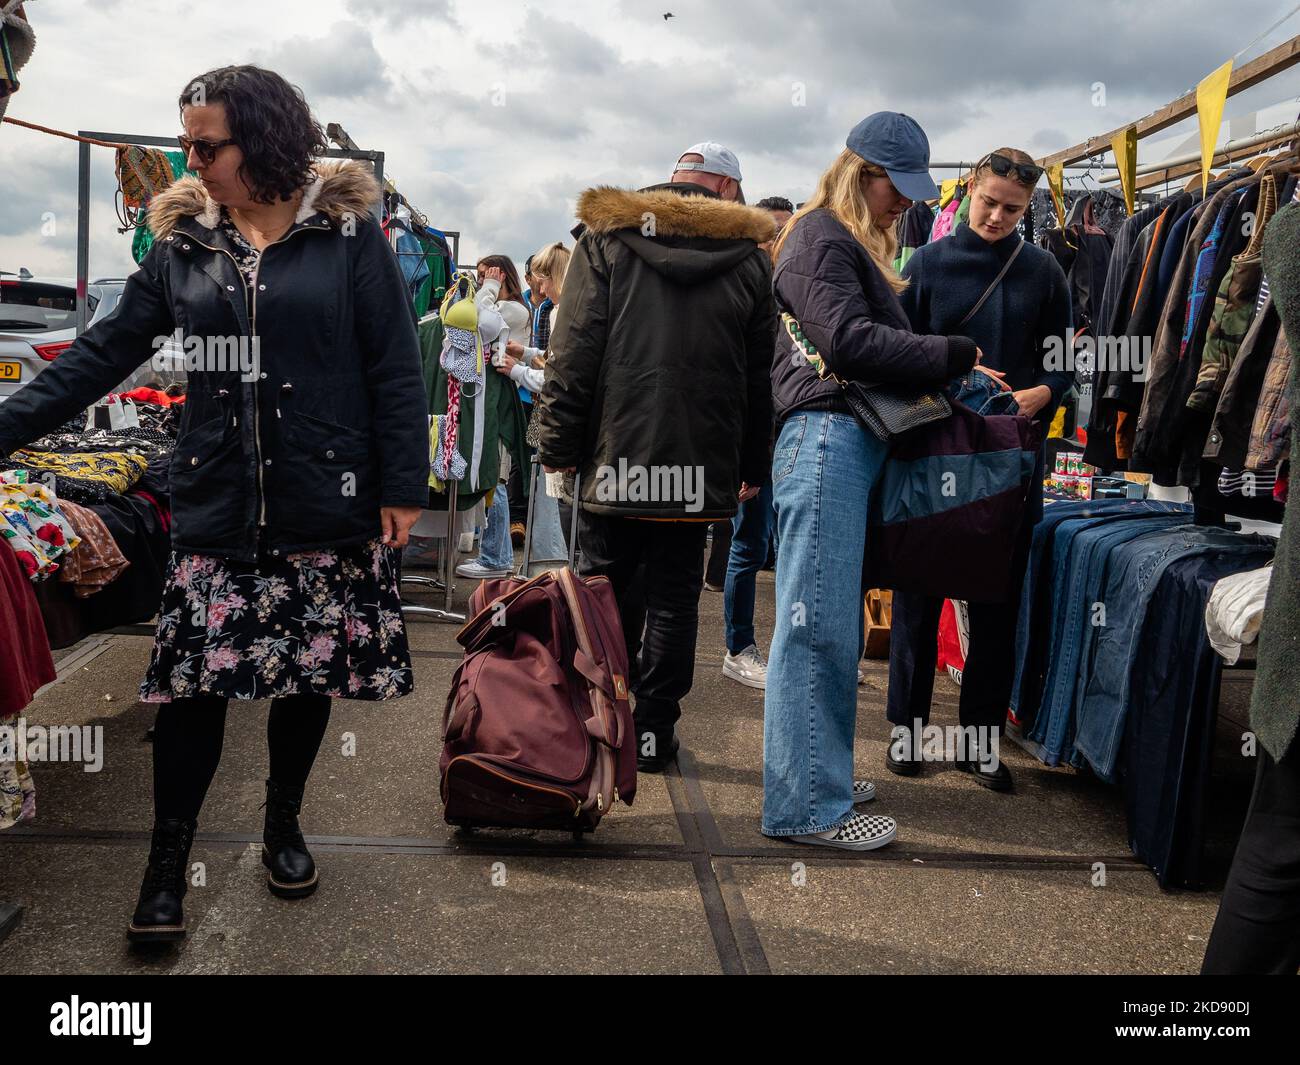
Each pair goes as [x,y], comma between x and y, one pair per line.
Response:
[299,469]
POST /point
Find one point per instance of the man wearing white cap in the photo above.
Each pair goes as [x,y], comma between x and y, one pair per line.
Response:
[658,390]
[713,166]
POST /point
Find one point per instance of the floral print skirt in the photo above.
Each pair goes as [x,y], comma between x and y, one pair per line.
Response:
[327,622]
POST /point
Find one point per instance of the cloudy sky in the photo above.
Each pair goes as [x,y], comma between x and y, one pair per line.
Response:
[494,115]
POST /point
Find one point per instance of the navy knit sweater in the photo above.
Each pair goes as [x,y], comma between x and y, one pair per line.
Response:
[1031,304]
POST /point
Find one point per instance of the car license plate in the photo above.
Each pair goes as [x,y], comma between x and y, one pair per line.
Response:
[11,371]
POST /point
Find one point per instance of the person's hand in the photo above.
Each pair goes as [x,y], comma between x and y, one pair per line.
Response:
[1032,400]
[747,493]
[508,363]
[494,273]
[396,524]
[997,376]
[514,349]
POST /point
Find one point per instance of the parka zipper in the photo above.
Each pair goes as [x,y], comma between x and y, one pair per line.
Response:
[252,329]
[257,407]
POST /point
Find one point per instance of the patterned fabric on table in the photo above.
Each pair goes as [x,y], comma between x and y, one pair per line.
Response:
[326,621]
[17,792]
[138,440]
[98,560]
[32,525]
[84,477]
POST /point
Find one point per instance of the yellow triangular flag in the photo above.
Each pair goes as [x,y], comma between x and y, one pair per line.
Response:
[1056,183]
[1125,147]
[1211,94]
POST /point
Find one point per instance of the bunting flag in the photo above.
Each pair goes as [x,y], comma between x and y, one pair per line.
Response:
[1056,183]
[1125,147]
[1211,94]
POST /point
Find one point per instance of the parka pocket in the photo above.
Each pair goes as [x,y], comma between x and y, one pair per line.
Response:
[328,481]
[204,476]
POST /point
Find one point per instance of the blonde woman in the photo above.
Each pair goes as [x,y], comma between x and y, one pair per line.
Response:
[524,366]
[834,274]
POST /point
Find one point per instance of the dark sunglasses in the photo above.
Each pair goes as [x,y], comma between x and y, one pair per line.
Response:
[205,150]
[1003,167]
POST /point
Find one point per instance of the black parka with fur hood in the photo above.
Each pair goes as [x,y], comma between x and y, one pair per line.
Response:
[331,424]
[657,385]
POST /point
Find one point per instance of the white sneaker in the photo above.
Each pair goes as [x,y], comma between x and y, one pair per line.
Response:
[748,668]
[863,791]
[862,677]
[477,571]
[861,832]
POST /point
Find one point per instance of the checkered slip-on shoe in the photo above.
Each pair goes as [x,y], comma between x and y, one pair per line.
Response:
[861,832]
[863,791]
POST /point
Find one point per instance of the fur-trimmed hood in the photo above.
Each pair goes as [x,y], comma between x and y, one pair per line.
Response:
[605,209]
[677,230]
[340,188]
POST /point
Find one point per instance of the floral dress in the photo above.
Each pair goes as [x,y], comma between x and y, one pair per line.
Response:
[326,621]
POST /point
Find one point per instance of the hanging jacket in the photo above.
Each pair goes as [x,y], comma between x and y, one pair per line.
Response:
[659,360]
[334,426]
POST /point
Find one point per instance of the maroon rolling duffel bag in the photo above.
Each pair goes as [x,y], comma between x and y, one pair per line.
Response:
[538,730]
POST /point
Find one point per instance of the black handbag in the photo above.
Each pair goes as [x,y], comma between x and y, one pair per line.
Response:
[885,410]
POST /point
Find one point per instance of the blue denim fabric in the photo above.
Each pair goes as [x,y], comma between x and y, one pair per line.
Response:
[823,472]
[981,393]
[1038,595]
[548,540]
[1134,573]
[494,549]
[1080,553]
[1169,729]
[751,536]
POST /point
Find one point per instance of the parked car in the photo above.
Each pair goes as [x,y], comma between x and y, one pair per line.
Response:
[38,321]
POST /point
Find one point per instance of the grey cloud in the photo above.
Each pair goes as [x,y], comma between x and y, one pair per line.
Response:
[343,64]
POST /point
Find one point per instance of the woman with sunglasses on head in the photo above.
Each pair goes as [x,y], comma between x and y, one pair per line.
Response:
[835,279]
[292,485]
[1029,305]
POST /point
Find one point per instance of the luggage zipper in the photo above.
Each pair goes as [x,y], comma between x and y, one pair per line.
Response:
[516,780]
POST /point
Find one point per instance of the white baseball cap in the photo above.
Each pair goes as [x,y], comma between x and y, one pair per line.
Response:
[717,159]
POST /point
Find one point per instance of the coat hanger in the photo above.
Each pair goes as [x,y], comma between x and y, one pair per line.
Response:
[1259,162]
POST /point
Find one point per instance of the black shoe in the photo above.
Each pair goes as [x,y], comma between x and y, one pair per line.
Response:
[159,917]
[659,762]
[291,872]
[996,779]
[904,767]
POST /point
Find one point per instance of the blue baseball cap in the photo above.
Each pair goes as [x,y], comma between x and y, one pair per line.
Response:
[899,146]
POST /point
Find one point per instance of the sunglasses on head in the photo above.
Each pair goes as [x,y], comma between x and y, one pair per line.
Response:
[205,150]
[1027,173]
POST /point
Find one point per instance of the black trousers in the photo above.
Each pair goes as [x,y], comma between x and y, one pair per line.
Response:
[190,733]
[990,665]
[1258,927]
[656,569]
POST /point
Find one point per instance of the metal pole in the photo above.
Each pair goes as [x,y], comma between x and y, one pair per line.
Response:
[83,231]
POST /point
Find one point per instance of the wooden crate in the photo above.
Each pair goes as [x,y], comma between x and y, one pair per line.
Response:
[878,612]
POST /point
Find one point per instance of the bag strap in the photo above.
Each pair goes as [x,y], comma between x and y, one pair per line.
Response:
[996,281]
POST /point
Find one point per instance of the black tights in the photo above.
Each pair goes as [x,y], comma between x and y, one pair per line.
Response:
[188,736]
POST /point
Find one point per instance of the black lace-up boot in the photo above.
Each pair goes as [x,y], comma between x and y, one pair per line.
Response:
[158,916]
[291,872]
